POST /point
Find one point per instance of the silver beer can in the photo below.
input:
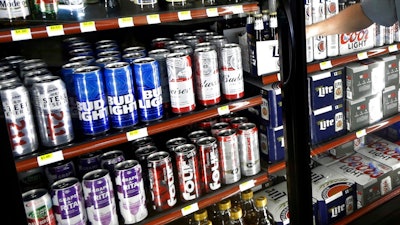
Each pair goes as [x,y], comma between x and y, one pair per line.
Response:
[249,149]
[228,149]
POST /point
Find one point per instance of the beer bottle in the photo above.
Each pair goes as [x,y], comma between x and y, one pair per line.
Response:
[224,208]
[200,217]
[264,216]
[236,217]
[273,24]
[267,29]
[258,27]
[248,208]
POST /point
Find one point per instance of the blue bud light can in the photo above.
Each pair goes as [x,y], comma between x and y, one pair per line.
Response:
[120,95]
[160,55]
[91,100]
[148,86]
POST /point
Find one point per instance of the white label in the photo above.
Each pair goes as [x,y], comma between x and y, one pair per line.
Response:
[125,22]
[213,12]
[89,26]
[21,34]
[55,30]
[50,158]
[184,15]
[153,19]
[135,134]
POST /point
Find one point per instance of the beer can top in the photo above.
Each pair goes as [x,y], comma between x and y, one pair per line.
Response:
[245,126]
[111,154]
[185,149]
[143,60]
[86,69]
[64,183]
[95,174]
[34,194]
[206,140]
[116,65]
[176,55]
[157,156]
[226,132]
[126,164]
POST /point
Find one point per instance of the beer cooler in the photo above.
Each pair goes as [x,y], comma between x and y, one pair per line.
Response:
[279,71]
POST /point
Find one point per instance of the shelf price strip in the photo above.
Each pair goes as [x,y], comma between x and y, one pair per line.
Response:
[21,34]
[55,30]
[362,55]
[50,158]
[212,12]
[246,185]
[135,134]
[189,209]
[184,15]
[236,9]
[223,110]
[88,26]
[125,22]
[325,65]
[153,19]
[393,48]
[361,133]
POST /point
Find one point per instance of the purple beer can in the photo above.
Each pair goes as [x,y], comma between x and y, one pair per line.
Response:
[121,95]
[108,160]
[130,191]
[91,100]
[148,86]
[88,162]
[99,197]
[68,202]
[59,170]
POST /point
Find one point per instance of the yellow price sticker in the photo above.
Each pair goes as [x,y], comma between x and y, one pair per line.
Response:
[236,9]
[21,34]
[153,19]
[125,22]
[325,65]
[55,30]
[393,48]
[50,158]
[184,15]
[223,110]
[135,134]
[190,209]
[88,26]
[246,185]
[361,133]
[212,12]
[362,55]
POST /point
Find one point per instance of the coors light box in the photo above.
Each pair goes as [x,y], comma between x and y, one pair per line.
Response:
[356,41]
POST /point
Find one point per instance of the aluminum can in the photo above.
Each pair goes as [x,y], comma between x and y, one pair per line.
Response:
[194,136]
[181,35]
[27,62]
[389,35]
[79,44]
[14,61]
[9,76]
[130,191]
[32,179]
[109,159]
[207,123]
[185,49]
[162,181]
[209,163]
[249,149]
[208,35]
[218,41]
[111,53]
[170,44]
[237,121]
[228,117]
[86,59]
[158,43]
[91,100]
[188,172]
[173,143]
[205,45]
[88,162]
[160,55]
[208,91]
[200,33]
[54,121]
[217,127]
[68,202]
[148,89]
[121,95]
[231,72]
[31,67]
[142,142]
[38,207]
[105,42]
[81,52]
[132,56]
[180,80]
[191,40]
[107,48]
[133,49]
[59,170]
[103,61]
[19,119]
[228,150]
[99,197]
[31,76]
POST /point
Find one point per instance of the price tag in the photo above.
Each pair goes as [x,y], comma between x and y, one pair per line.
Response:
[21,34]
[393,48]
[361,133]
[362,55]
[135,134]
[212,12]
[55,30]
[89,26]
[50,158]
[223,110]
[189,209]
[236,9]
[184,15]
[246,185]
[325,65]
[278,75]
[153,19]
[125,22]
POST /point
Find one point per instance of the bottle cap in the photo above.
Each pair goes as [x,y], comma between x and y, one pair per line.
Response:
[247,194]
[261,201]
[224,204]
[236,213]
[200,215]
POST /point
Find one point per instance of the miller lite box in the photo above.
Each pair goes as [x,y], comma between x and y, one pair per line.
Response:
[383,151]
[326,88]
[356,41]
[271,106]
[335,194]
[372,178]
[272,143]
[327,123]
[278,203]
[390,101]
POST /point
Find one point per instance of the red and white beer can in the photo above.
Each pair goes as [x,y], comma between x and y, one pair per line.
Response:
[228,150]
[209,163]
[194,136]
[237,121]
[188,172]
[216,127]
[162,181]
[249,149]
[38,207]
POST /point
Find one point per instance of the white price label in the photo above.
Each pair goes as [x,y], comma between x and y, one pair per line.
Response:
[393,48]
[212,12]
[361,133]
[55,30]
[246,185]
[223,110]
[189,209]
[135,134]
[362,55]
[21,34]
[88,26]
[125,22]
[184,15]
[236,9]
[50,158]
[153,19]
[325,65]
[278,76]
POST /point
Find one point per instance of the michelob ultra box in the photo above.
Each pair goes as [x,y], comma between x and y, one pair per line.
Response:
[326,87]
[372,178]
[383,151]
[335,194]
[356,41]
[327,123]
